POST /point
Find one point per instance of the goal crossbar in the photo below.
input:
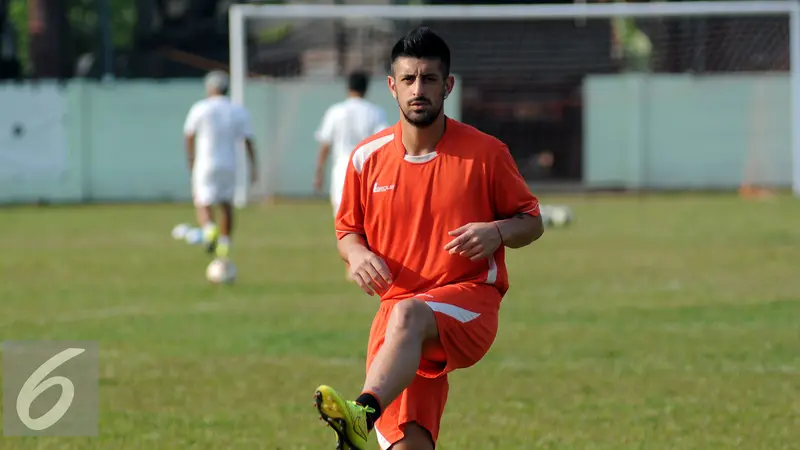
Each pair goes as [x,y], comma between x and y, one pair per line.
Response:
[239,13]
[516,12]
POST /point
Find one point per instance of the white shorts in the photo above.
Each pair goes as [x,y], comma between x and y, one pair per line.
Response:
[336,198]
[337,188]
[212,187]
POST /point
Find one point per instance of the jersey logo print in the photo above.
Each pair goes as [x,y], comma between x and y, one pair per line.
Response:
[376,188]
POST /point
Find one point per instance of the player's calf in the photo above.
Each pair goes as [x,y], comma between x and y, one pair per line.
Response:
[223,243]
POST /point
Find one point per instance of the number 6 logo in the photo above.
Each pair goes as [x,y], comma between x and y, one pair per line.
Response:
[36,384]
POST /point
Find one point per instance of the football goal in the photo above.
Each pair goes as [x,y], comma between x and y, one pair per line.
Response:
[660,95]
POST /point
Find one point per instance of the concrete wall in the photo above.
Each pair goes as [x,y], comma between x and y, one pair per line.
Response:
[687,132]
[123,141]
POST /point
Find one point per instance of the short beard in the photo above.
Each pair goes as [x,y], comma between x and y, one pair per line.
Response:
[423,120]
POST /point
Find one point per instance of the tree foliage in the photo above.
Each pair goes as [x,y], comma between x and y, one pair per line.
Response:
[84,23]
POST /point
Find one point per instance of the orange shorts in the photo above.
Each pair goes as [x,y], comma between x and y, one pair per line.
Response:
[466,316]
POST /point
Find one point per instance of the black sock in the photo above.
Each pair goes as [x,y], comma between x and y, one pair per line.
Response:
[370,400]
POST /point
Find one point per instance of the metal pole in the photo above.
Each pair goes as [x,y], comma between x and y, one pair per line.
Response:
[794,62]
[108,41]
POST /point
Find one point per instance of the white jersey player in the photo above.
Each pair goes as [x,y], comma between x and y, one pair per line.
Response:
[213,129]
[344,125]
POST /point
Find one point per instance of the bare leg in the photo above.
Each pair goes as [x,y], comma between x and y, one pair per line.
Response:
[414,438]
[411,323]
[226,226]
[204,215]
[226,223]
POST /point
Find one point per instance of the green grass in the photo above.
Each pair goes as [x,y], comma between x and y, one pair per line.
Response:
[661,322]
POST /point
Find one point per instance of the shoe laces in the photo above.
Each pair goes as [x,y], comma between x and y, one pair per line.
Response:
[367,409]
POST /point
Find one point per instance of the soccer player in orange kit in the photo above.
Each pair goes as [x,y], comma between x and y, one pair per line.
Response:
[429,206]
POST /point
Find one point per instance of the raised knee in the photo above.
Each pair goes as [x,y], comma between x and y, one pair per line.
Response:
[410,316]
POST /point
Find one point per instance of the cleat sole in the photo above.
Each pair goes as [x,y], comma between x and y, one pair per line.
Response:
[338,425]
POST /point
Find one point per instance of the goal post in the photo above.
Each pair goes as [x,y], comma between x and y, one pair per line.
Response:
[239,14]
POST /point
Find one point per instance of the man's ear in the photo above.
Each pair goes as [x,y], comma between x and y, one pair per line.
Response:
[391,84]
[449,83]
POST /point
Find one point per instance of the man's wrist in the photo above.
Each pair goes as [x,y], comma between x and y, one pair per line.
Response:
[499,232]
[353,245]
[356,247]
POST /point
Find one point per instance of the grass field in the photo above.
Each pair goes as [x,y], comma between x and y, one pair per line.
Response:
[661,322]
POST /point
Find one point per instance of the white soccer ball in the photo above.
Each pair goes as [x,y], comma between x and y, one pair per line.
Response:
[221,271]
[560,216]
[193,236]
[179,232]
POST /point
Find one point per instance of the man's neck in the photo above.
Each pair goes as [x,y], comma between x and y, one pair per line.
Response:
[421,141]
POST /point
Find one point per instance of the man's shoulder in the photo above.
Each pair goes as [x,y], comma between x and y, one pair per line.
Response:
[240,110]
[371,146]
[336,107]
[474,141]
[199,105]
[374,106]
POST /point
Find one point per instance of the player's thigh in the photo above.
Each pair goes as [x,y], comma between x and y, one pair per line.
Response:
[399,314]
[224,183]
[203,196]
[215,186]
[467,319]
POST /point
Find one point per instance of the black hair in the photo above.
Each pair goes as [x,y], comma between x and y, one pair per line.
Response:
[358,82]
[423,43]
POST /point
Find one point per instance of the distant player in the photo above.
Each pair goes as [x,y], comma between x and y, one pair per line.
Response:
[429,206]
[343,126]
[213,128]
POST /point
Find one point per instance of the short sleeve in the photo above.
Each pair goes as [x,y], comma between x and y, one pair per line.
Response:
[245,127]
[192,121]
[511,194]
[350,216]
[324,134]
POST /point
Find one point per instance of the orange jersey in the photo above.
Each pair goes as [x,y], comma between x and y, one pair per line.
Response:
[405,206]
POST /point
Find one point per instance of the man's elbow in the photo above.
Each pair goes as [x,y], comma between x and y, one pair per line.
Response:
[537,230]
[533,231]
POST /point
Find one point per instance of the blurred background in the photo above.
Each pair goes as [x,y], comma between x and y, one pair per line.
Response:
[656,103]
[662,315]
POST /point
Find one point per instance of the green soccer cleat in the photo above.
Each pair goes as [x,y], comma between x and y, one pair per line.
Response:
[223,249]
[210,237]
[347,418]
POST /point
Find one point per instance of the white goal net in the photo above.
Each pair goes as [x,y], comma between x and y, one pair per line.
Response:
[695,95]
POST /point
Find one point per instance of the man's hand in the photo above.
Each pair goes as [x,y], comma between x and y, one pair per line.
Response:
[318,182]
[475,241]
[253,175]
[369,271]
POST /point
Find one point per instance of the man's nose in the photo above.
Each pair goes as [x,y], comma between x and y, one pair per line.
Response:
[418,88]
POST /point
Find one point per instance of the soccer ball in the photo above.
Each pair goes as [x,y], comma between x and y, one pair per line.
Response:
[221,271]
[180,230]
[556,216]
[560,216]
[193,236]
